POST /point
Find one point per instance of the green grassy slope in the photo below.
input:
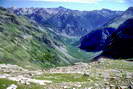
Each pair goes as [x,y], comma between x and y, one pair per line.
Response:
[4,83]
[25,43]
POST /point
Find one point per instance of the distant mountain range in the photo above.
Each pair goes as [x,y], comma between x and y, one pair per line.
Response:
[68,22]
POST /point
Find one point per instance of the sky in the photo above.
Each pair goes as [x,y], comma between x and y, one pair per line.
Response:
[86,5]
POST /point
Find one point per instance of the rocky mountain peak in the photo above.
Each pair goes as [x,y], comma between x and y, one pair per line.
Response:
[105,10]
[61,7]
[130,9]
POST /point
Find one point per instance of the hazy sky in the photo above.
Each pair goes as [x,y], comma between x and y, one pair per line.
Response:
[72,4]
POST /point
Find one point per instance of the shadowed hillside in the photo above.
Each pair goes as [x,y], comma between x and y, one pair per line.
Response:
[115,43]
[120,43]
[96,40]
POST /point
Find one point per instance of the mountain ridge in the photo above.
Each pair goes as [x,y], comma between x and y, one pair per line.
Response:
[119,20]
[67,21]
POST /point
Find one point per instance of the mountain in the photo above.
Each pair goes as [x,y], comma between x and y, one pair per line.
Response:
[25,43]
[95,40]
[116,22]
[120,43]
[68,22]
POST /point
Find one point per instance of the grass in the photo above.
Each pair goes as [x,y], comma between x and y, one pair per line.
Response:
[25,44]
[92,80]
[79,54]
[4,83]
[115,64]
[64,77]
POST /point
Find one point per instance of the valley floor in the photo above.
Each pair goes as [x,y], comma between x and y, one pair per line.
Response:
[103,74]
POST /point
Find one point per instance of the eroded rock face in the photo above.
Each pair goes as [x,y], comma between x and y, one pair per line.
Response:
[120,43]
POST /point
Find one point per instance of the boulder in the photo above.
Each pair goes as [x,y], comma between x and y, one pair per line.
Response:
[13,86]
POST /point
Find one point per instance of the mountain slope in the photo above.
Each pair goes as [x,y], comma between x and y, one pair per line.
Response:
[66,21]
[25,43]
[116,22]
[96,40]
[120,43]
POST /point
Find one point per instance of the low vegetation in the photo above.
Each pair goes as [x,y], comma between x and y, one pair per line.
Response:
[4,83]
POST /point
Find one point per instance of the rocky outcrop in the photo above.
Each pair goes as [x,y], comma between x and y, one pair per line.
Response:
[13,86]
